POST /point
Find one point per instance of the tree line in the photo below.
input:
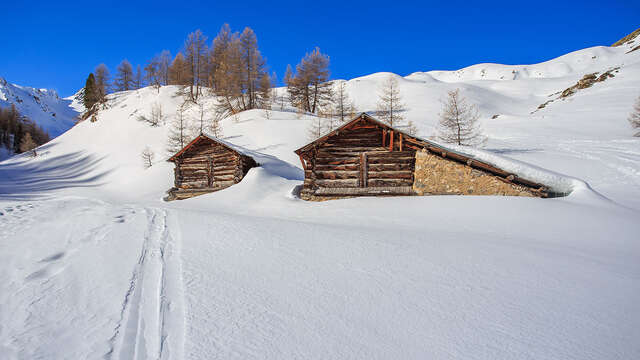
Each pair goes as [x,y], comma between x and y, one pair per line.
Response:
[231,69]
[18,133]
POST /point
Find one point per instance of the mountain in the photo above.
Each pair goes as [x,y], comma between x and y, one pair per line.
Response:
[43,106]
[96,265]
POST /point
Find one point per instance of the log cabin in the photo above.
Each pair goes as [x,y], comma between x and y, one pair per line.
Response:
[366,157]
[207,164]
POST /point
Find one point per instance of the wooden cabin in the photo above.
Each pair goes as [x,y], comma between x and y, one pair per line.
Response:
[366,157]
[207,164]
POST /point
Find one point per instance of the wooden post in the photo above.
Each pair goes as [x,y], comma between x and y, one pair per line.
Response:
[304,166]
[363,170]
[384,138]
[210,172]
[400,143]
[391,140]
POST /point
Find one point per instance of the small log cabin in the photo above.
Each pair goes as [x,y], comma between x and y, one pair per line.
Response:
[207,164]
[366,157]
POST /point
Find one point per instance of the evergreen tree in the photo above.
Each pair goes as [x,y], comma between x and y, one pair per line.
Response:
[91,93]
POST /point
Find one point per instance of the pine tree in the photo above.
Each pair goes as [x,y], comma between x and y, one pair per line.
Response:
[309,89]
[390,106]
[459,121]
[102,81]
[27,144]
[124,76]
[91,95]
[634,117]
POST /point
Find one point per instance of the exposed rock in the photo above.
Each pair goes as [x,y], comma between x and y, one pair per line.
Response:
[627,38]
[437,176]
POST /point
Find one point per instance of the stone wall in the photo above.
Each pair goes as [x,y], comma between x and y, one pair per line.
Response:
[435,175]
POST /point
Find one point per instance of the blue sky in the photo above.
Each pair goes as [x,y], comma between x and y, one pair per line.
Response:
[55,45]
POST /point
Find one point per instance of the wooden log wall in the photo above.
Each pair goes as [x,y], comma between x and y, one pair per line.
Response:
[362,157]
[208,164]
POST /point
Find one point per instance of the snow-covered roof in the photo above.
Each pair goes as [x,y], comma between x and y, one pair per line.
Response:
[518,172]
[239,149]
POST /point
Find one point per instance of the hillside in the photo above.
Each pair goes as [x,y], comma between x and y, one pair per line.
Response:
[43,106]
[96,265]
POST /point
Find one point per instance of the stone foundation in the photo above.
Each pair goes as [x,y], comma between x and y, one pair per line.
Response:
[438,176]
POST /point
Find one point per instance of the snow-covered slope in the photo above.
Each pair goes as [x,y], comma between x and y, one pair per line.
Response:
[43,106]
[93,264]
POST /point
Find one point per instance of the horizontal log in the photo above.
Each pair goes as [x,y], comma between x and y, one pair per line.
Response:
[336,183]
[390,174]
[395,166]
[336,174]
[354,148]
[390,182]
[337,160]
[392,154]
[390,160]
[349,167]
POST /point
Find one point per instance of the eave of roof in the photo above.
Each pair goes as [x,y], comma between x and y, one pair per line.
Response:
[212,138]
[431,146]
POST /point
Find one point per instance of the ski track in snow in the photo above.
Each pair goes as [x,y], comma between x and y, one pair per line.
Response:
[142,330]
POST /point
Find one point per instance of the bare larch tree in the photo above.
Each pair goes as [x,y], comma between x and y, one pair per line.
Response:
[390,106]
[102,81]
[28,144]
[309,89]
[124,76]
[195,50]
[343,106]
[178,133]
[147,157]
[178,71]
[459,121]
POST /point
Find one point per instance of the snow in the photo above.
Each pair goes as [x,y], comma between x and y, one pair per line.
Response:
[42,106]
[93,264]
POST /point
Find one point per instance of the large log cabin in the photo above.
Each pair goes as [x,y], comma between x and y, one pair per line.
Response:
[207,164]
[366,157]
